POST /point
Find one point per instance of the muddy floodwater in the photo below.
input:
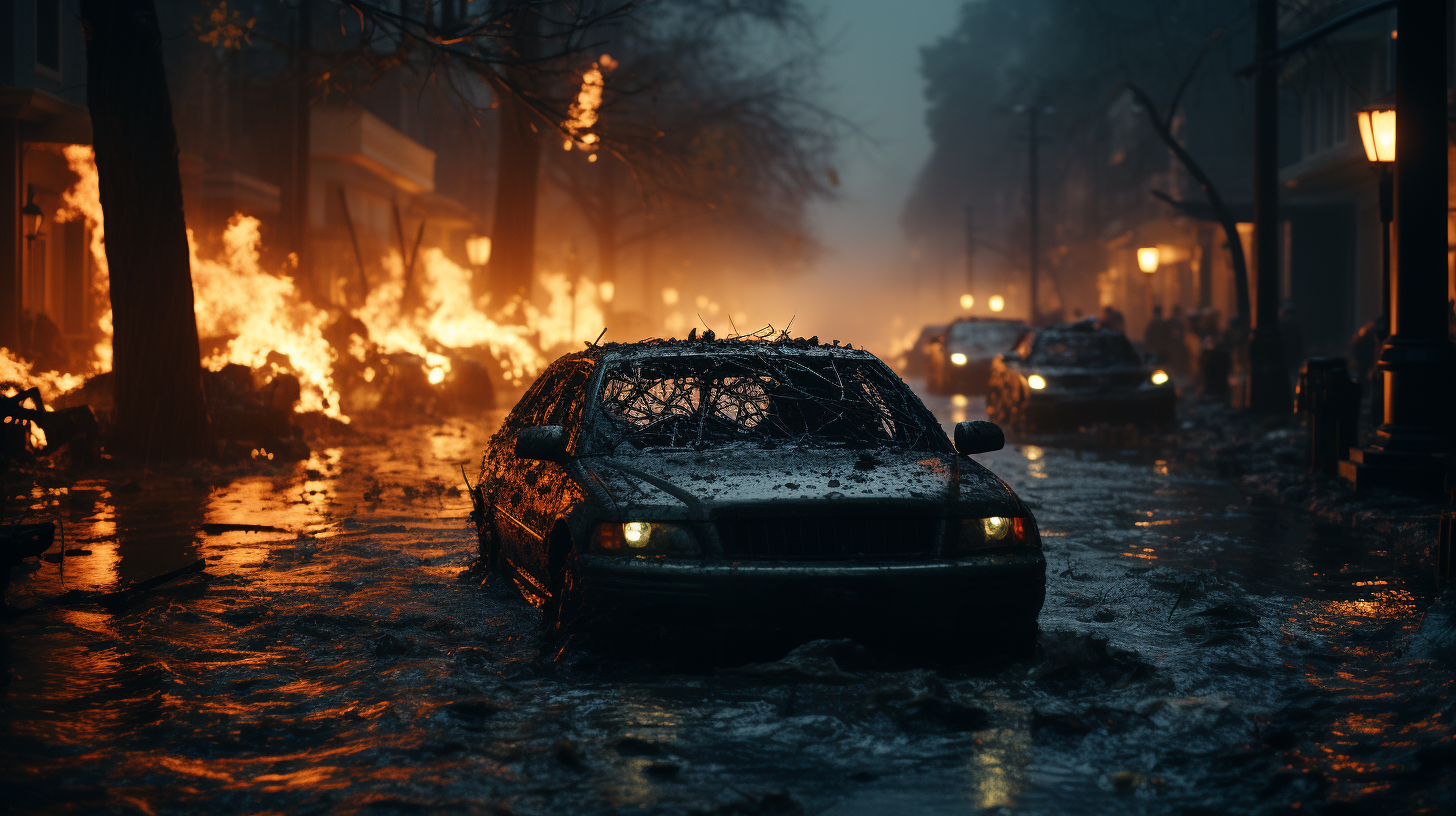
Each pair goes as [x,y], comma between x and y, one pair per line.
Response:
[1198,653]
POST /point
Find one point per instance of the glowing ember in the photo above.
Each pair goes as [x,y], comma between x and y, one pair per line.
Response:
[583,111]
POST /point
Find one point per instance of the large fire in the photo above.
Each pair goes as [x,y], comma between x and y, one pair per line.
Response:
[259,319]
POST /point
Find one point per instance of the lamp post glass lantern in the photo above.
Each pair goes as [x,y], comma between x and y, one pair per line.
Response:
[478,248]
[1377,133]
[1377,136]
[1147,258]
[32,216]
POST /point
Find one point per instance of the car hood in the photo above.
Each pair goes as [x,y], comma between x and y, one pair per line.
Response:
[697,484]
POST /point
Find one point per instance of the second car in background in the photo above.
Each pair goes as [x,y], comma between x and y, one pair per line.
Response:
[960,357]
[1074,375]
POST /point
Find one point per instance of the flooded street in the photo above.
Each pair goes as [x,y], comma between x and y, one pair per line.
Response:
[1198,653]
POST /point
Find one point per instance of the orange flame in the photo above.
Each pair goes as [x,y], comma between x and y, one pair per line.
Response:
[262,313]
[83,201]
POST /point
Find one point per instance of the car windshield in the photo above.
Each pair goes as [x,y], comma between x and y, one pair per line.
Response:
[1084,349]
[770,398]
[985,336]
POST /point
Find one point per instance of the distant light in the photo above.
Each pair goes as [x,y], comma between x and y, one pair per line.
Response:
[967,302]
[997,303]
[959,400]
[1036,382]
[1148,259]
[592,157]
[958,358]
[437,375]
[1032,453]
[1159,377]
[477,247]
[606,291]
[669,296]
[566,145]
[1377,134]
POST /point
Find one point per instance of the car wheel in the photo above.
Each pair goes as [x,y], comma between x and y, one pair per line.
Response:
[563,611]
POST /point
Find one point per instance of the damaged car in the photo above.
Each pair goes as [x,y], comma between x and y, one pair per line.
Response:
[753,486]
[960,357]
[1074,375]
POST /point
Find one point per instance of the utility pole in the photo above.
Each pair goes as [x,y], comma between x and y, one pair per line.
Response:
[1269,390]
[1033,115]
[1414,441]
[970,250]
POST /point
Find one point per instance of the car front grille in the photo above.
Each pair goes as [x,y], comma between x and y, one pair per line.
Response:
[828,538]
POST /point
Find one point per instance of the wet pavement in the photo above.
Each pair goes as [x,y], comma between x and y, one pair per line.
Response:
[1198,653]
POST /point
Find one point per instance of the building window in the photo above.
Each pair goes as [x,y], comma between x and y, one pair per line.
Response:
[48,35]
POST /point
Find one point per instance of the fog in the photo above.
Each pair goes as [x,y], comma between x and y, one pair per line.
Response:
[854,291]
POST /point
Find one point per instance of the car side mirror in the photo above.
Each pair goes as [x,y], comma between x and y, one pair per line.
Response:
[546,443]
[978,436]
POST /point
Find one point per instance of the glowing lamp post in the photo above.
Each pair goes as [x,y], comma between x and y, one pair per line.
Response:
[478,248]
[967,302]
[31,215]
[1147,258]
[997,303]
[1377,134]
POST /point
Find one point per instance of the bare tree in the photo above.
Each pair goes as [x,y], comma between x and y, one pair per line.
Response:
[690,130]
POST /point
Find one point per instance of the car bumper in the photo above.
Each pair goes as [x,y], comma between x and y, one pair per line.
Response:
[1141,406]
[831,599]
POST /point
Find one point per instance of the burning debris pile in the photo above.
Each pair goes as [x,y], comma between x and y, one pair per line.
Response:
[420,344]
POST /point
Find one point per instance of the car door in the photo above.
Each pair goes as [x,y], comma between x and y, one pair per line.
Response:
[514,479]
[550,491]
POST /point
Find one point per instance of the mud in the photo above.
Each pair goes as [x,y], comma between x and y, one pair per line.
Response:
[1199,652]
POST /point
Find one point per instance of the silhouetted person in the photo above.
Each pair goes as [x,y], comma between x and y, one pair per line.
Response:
[1155,336]
[1176,331]
[1113,319]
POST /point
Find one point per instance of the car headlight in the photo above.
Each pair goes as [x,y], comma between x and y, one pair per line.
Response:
[958,358]
[994,533]
[1159,377]
[646,539]
[1036,381]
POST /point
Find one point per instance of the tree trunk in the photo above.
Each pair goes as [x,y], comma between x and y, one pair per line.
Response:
[518,159]
[160,413]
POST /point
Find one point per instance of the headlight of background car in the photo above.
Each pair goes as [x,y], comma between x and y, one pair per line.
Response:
[1036,381]
[958,358]
[1159,377]
[646,539]
[994,533]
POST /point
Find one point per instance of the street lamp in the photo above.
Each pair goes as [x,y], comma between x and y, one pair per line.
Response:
[32,215]
[1147,258]
[997,303]
[967,302]
[1377,134]
[478,248]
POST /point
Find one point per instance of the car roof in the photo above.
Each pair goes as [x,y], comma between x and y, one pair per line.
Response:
[1083,328]
[660,349]
[1016,321]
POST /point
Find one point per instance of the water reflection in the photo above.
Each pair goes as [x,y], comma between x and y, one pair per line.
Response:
[347,669]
